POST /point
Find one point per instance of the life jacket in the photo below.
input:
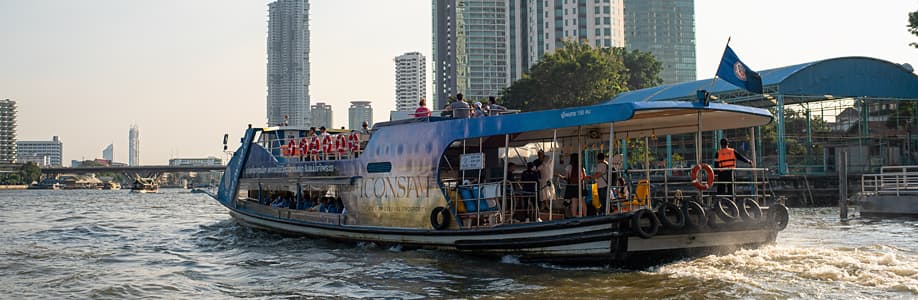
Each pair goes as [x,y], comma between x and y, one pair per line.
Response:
[726,158]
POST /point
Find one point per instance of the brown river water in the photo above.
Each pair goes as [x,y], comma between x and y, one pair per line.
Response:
[116,245]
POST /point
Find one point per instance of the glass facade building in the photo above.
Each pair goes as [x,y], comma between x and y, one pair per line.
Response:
[666,29]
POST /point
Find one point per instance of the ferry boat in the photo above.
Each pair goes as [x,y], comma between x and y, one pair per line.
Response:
[144,185]
[443,183]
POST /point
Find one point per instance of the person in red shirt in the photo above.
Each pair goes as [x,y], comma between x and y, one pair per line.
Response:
[422,111]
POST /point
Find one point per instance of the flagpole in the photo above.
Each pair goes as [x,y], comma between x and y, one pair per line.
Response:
[714,80]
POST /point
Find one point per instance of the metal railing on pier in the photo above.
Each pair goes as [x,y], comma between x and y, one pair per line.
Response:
[892,180]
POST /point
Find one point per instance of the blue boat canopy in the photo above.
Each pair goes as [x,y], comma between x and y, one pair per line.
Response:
[826,79]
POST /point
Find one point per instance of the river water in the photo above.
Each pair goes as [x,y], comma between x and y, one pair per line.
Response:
[113,244]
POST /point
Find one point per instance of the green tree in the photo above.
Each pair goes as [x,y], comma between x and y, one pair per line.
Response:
[29,172]
[642,69]
[913,25]
[576,75]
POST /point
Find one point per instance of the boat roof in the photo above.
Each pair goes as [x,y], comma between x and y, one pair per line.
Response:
[629,119]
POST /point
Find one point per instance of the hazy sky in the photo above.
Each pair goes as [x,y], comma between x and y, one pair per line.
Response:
[188,71]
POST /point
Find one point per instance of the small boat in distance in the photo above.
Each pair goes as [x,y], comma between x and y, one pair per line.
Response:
[111,185]
[447,183]
[144,185]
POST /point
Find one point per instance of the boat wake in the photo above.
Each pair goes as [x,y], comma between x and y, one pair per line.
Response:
[831,272]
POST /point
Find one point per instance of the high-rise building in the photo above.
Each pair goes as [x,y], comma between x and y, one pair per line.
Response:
[288,63]
[550,23]
[42,153]
[109,153]
[470,46]
[666,29]
[134,146]
[359,112]
[321,115]
[410,80]
[7,131]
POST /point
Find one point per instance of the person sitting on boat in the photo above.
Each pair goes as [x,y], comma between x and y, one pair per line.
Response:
[365,128]
[477,111]
[574,174]
[280,202]
[495,109]
[459,108]
[422,111]
[726,160]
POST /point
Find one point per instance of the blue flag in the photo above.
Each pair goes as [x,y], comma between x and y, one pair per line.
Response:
[736,72]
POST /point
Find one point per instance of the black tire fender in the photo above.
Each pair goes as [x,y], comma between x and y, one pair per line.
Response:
[750,210]
[671,216]
[779,216]
[651,229]
[726,210]
[695,216]
[435,215]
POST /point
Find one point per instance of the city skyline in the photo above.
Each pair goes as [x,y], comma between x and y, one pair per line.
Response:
[190,81]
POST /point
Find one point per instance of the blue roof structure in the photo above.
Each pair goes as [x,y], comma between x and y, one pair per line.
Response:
[839,77]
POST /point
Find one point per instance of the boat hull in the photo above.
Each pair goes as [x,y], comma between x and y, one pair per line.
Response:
[586,241]
[889,206]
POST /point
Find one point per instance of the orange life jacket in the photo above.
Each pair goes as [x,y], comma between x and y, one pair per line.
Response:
[726,158]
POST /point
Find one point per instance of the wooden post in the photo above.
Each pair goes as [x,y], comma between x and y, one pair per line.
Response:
[843,187]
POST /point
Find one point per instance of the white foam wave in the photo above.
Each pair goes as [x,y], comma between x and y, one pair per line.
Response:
[827,269]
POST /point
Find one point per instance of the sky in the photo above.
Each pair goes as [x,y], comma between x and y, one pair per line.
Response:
[186,72]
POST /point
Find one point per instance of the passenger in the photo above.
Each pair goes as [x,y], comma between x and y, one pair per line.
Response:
[574,175]
[511,167]
[365,128]
[459,108]
[477,111]
[495,109]
[726,160]
[530,178]
[622,193]
[546,168]
[422,111]
[601,177]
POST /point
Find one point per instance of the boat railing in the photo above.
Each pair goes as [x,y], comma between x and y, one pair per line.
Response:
[746,183]
[892,180]
[496,203]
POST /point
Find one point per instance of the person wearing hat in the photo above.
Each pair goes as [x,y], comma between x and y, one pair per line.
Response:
[365,128]
[726,162]
[477,111]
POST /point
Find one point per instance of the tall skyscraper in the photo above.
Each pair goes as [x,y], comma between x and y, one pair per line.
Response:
[410,80]
[359,112]
[288,63]
[321,115]
[42,153]
[134,146]
[470,41]
[666,29]
[599,23]
[109,152]
[7,131]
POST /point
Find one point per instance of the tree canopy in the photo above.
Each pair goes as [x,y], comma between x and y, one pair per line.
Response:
[578,74]
[913,25]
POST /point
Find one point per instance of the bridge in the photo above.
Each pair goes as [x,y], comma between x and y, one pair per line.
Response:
[130,169]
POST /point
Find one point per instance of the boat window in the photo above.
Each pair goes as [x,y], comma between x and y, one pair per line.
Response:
[379,167]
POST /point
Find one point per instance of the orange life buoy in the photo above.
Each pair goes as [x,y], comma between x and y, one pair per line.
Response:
[702,185]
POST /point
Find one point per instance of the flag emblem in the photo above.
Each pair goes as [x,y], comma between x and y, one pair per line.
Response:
[740,71]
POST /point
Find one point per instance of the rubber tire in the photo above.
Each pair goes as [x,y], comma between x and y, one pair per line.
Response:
[779,216]
[668,209]
[720,209]
[636,223]
[750,210]
[435,215]
[694,208]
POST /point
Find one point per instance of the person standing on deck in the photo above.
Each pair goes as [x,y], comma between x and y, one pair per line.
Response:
[546,168]
[726,159]
[602,183]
